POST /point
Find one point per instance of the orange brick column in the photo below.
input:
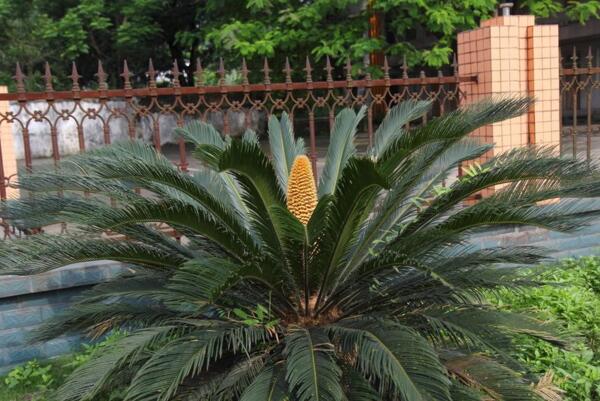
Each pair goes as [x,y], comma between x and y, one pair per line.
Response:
[512,56]
[8,158]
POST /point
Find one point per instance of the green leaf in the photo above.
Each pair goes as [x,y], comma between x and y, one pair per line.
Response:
[341,148]
[312,373]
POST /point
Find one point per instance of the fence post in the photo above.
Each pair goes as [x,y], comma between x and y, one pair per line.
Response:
[8,159]
[512,56]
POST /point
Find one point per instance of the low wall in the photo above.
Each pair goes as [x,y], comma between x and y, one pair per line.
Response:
[25,302]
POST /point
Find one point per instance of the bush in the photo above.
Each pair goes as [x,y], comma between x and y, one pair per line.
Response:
[33,380]
[571,295]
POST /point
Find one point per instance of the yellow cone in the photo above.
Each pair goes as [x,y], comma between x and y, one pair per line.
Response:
[301,190]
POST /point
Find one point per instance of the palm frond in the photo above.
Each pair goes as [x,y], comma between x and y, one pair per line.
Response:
[341,148]
[283,148]
[91,378]
[42,253]
[312,373]
[269,385]
[411,372]
[394,122]
[201,133]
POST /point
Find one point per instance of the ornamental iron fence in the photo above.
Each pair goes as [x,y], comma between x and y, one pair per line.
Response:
[580,104]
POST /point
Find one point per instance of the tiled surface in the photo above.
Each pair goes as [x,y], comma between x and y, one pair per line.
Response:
[9,160]
[512,56]
[28,301]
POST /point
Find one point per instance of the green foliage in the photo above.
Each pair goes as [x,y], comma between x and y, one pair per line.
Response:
[87,30]
[30,375]
[571,296]
[377,297]
[35,381]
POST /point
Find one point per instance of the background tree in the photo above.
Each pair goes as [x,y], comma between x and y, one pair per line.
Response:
[87,30]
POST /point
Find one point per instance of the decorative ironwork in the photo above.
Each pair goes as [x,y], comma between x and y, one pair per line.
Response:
[311,104]
[580,106]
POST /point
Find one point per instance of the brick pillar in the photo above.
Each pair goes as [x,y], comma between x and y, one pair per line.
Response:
[8,160]
[512,56]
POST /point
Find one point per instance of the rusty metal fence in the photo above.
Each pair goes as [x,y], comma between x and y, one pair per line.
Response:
[50,124]
[580,105]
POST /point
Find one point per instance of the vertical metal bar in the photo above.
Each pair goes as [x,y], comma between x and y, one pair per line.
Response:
[80,137]
[313,142]
[27,149]
[589,123]
[54,138]
[183,164]
[574,126]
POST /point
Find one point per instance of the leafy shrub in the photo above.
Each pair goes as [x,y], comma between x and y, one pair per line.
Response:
[31,375]
[33,380]
[571,295]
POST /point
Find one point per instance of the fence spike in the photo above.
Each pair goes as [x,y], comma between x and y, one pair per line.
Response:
[329,69]
[574,58]
[404,67]
[386,69]
[288,71]
[101,75]
[19,78]
[308,70]
[126,76]
[348,69]
[422,74]
[222,72]
[440,74]
[75,77]
[199,73]
[245,72]
[48,77]
[176,74]
[151,74]
[590,57]
[266,70]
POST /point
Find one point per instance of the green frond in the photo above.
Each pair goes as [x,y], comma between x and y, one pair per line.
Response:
[204,279]
[311,371]
[283,148]
[250,136]
[341,149]
[269,385]
[394,122]
[351,202]
[450,127]
[166,369]
[426,169]
[490,378]
[42,253]
[91,378]
[201,133]
[357,388]
[239,377]
[411,372]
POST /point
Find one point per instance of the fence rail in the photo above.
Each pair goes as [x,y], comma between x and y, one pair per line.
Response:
[580,106]
[68,116]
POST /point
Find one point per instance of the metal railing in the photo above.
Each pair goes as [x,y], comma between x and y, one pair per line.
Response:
[580,106]
[312,105]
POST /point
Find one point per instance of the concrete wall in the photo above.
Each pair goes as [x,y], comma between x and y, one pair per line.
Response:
[26,302]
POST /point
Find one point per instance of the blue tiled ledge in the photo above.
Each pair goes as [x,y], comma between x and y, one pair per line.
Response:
[76,275]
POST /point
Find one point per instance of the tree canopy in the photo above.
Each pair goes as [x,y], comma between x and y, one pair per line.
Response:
[85,31]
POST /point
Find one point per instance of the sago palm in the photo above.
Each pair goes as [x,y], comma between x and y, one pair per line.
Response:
[360,288]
